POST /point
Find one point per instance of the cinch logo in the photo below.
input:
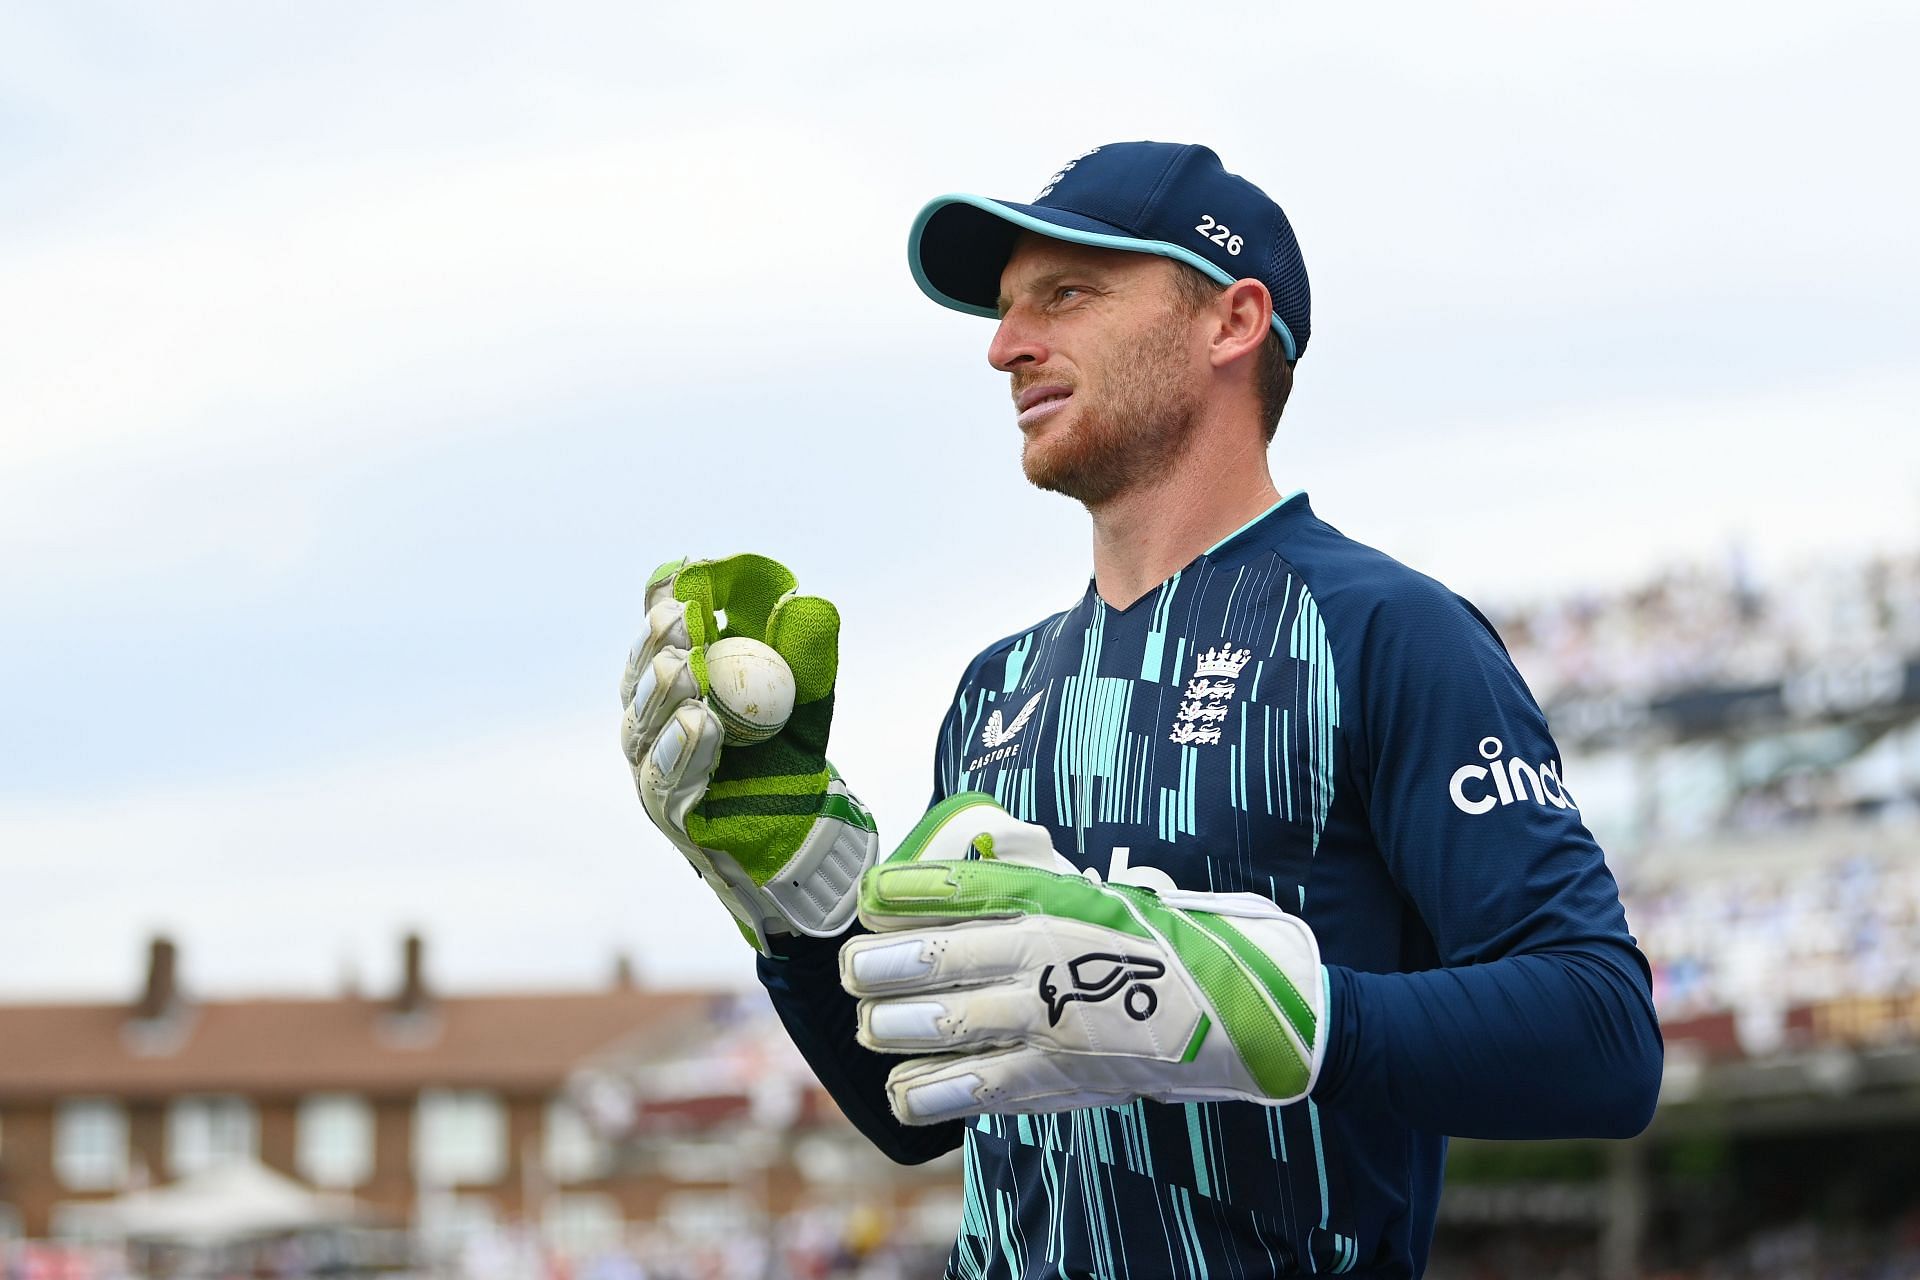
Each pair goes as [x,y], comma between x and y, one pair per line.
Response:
[1476,788]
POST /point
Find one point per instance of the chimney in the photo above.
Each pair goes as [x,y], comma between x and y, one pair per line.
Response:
[413,998]
[162,994]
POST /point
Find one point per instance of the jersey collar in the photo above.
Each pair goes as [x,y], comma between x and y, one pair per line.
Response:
[1298,496]
[1286,508]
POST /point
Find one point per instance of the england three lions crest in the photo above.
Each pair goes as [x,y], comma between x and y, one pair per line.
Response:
[1203,705]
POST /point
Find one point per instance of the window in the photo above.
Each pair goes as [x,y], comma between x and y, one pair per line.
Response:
[706,1215]
[448,1223]
[204,1132]
[90,1144]
[333,1145]
[578,1225]
[574,1153]
[459,1138]
[79,1222]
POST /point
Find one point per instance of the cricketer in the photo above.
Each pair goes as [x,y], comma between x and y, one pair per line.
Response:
[1248,879]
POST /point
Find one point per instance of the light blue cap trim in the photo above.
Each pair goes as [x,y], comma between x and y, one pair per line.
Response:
[1040,226]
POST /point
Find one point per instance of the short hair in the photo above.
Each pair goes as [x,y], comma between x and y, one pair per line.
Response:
[1273,375]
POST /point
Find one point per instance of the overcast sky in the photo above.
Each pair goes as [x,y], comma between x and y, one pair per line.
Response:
[357,361]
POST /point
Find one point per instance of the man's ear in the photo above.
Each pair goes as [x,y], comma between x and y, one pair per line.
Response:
[1244,315]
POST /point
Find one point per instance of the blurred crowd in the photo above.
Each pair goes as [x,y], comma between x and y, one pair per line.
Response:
[892,1260]
[1799,1250]
[1714,626]
[861,1245]
[1811,932]
[864,1244]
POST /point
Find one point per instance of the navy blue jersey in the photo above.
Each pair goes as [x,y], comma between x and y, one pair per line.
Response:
[1299,716]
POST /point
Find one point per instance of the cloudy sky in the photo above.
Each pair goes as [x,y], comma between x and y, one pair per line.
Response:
[357,361]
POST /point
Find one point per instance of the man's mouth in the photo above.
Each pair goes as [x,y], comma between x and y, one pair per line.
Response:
[1036,403]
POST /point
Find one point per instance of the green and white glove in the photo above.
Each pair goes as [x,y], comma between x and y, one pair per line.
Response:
[1034,987]
[770,827]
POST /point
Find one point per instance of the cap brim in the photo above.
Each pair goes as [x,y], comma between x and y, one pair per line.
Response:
[960,244]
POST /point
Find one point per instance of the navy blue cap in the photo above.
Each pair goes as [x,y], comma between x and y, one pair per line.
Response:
[1161,198]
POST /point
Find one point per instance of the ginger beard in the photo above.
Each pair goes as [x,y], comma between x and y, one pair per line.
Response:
[1124,426]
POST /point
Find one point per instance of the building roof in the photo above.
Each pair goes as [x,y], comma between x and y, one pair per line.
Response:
[512,1043]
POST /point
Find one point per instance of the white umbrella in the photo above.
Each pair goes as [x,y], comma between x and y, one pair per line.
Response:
[229,1202]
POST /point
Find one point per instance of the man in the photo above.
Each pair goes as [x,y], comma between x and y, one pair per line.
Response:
[1249,877]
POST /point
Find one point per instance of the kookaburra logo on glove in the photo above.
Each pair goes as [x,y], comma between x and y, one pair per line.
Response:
[1101,975]
[1144,992]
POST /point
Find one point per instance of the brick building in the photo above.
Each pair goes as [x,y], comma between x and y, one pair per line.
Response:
[461,1104]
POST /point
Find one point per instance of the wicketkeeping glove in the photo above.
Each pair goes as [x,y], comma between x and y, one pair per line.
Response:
[1037,988]
[770,827]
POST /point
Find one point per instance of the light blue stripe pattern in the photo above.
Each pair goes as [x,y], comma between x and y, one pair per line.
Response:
[1322,713]
[1202,1183]
[1016,663]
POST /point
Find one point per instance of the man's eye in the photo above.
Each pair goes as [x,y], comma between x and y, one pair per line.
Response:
[1067,292]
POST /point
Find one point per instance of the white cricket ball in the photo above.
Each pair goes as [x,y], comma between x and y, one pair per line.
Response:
[750,688]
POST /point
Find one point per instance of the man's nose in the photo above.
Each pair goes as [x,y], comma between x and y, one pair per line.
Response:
[1015,343]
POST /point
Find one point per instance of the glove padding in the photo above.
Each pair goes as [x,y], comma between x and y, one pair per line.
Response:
[770,827]
[1041,989]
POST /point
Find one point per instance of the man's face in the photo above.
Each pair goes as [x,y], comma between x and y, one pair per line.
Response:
[1107,363]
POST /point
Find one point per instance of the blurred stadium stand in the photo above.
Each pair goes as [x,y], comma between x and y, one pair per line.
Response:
[1748,752]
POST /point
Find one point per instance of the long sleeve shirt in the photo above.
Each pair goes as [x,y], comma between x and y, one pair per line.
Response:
[1300,716]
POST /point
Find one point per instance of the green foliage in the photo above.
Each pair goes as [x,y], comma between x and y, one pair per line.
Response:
[1700,1157]
[1471,1161]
